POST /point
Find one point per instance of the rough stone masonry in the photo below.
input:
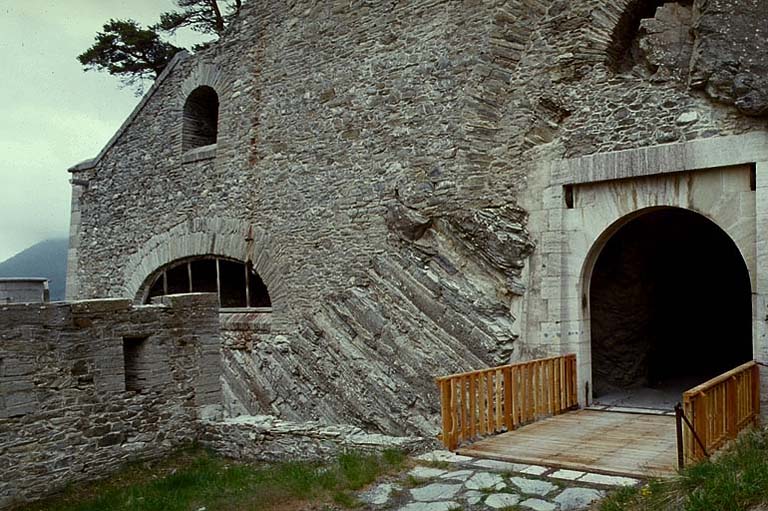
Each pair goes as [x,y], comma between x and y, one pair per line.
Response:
[86,386]
[375,162]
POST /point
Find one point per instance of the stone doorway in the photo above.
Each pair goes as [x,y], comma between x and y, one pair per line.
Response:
[671,307]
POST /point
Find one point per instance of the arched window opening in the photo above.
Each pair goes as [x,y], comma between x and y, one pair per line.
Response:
[630,41]
[201,118]
[235,282]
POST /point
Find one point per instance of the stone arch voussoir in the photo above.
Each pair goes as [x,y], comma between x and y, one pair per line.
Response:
[203,74]
[227,237]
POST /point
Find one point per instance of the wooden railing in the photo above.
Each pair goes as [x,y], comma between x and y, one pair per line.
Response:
[503,398]
[719,408]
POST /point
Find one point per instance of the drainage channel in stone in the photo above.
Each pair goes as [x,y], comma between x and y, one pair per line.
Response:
[443,481]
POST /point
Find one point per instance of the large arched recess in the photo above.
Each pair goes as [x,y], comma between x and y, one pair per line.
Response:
[670,306]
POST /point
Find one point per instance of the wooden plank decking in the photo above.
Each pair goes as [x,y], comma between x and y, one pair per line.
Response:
[614,443]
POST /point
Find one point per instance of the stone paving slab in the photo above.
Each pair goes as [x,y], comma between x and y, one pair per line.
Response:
[443,481]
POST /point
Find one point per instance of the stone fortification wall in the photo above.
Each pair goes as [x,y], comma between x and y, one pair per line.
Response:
[377,163]
[86,386]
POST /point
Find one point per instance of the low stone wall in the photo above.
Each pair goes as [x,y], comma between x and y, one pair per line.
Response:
[86,386]
[266,438]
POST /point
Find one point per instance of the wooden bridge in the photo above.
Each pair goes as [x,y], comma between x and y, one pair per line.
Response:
[528,413]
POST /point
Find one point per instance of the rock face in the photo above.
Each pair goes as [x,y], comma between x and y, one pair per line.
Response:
[667,41]
[427,308]
[730,60]
[374,163]
[717,46]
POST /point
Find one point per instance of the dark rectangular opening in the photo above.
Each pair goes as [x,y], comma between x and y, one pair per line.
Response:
[232,284]
[568,196]
[178,280]
[204,280]
[753,176]
[136,364]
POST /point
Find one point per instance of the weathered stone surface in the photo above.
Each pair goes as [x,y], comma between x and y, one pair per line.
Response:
[538,505]
[379,495]
[533,486]
[77,401]
[473,497]
[608,480]
[443,456]
[729,60]
[568,475]
[435,491]
[502,500]
[500,465]
[576,499]
[426,472]
[666,41]
[267,438]
[406,222]
[485,481]
[431,506]
[534,470]
[459,475]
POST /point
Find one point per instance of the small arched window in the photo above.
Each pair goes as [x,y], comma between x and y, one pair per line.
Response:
[236,283]
[201,118]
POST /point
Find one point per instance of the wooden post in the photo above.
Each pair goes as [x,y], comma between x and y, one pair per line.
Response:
[508,421]
[499,409]
[731,407]
[556,401]
[445,402]
[472,407]
[701,423]
[489,390]
[514,375]
[481,403]
[464,430]
[679,436]
[454,414]
[755,387]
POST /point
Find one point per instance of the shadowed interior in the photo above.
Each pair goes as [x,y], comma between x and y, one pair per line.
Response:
[670,305]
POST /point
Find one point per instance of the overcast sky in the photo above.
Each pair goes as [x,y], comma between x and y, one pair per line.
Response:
[52,114]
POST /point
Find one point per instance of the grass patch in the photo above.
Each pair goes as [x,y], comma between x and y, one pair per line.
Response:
[413,482]
[194,479]
[441,465]
[735,480]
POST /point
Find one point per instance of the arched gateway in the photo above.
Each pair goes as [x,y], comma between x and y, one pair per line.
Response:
[670,307]
[652,264]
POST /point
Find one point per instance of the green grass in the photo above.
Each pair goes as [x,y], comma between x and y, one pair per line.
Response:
[735,480]
[442,465]
[193,479]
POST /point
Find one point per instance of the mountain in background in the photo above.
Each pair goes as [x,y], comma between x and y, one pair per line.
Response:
[47,259]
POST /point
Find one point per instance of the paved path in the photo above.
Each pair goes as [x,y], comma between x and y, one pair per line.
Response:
[443,481]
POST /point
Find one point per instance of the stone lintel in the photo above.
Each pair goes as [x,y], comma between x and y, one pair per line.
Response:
[667,158]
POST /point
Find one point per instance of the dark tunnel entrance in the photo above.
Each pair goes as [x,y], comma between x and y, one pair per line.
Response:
[671,307]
